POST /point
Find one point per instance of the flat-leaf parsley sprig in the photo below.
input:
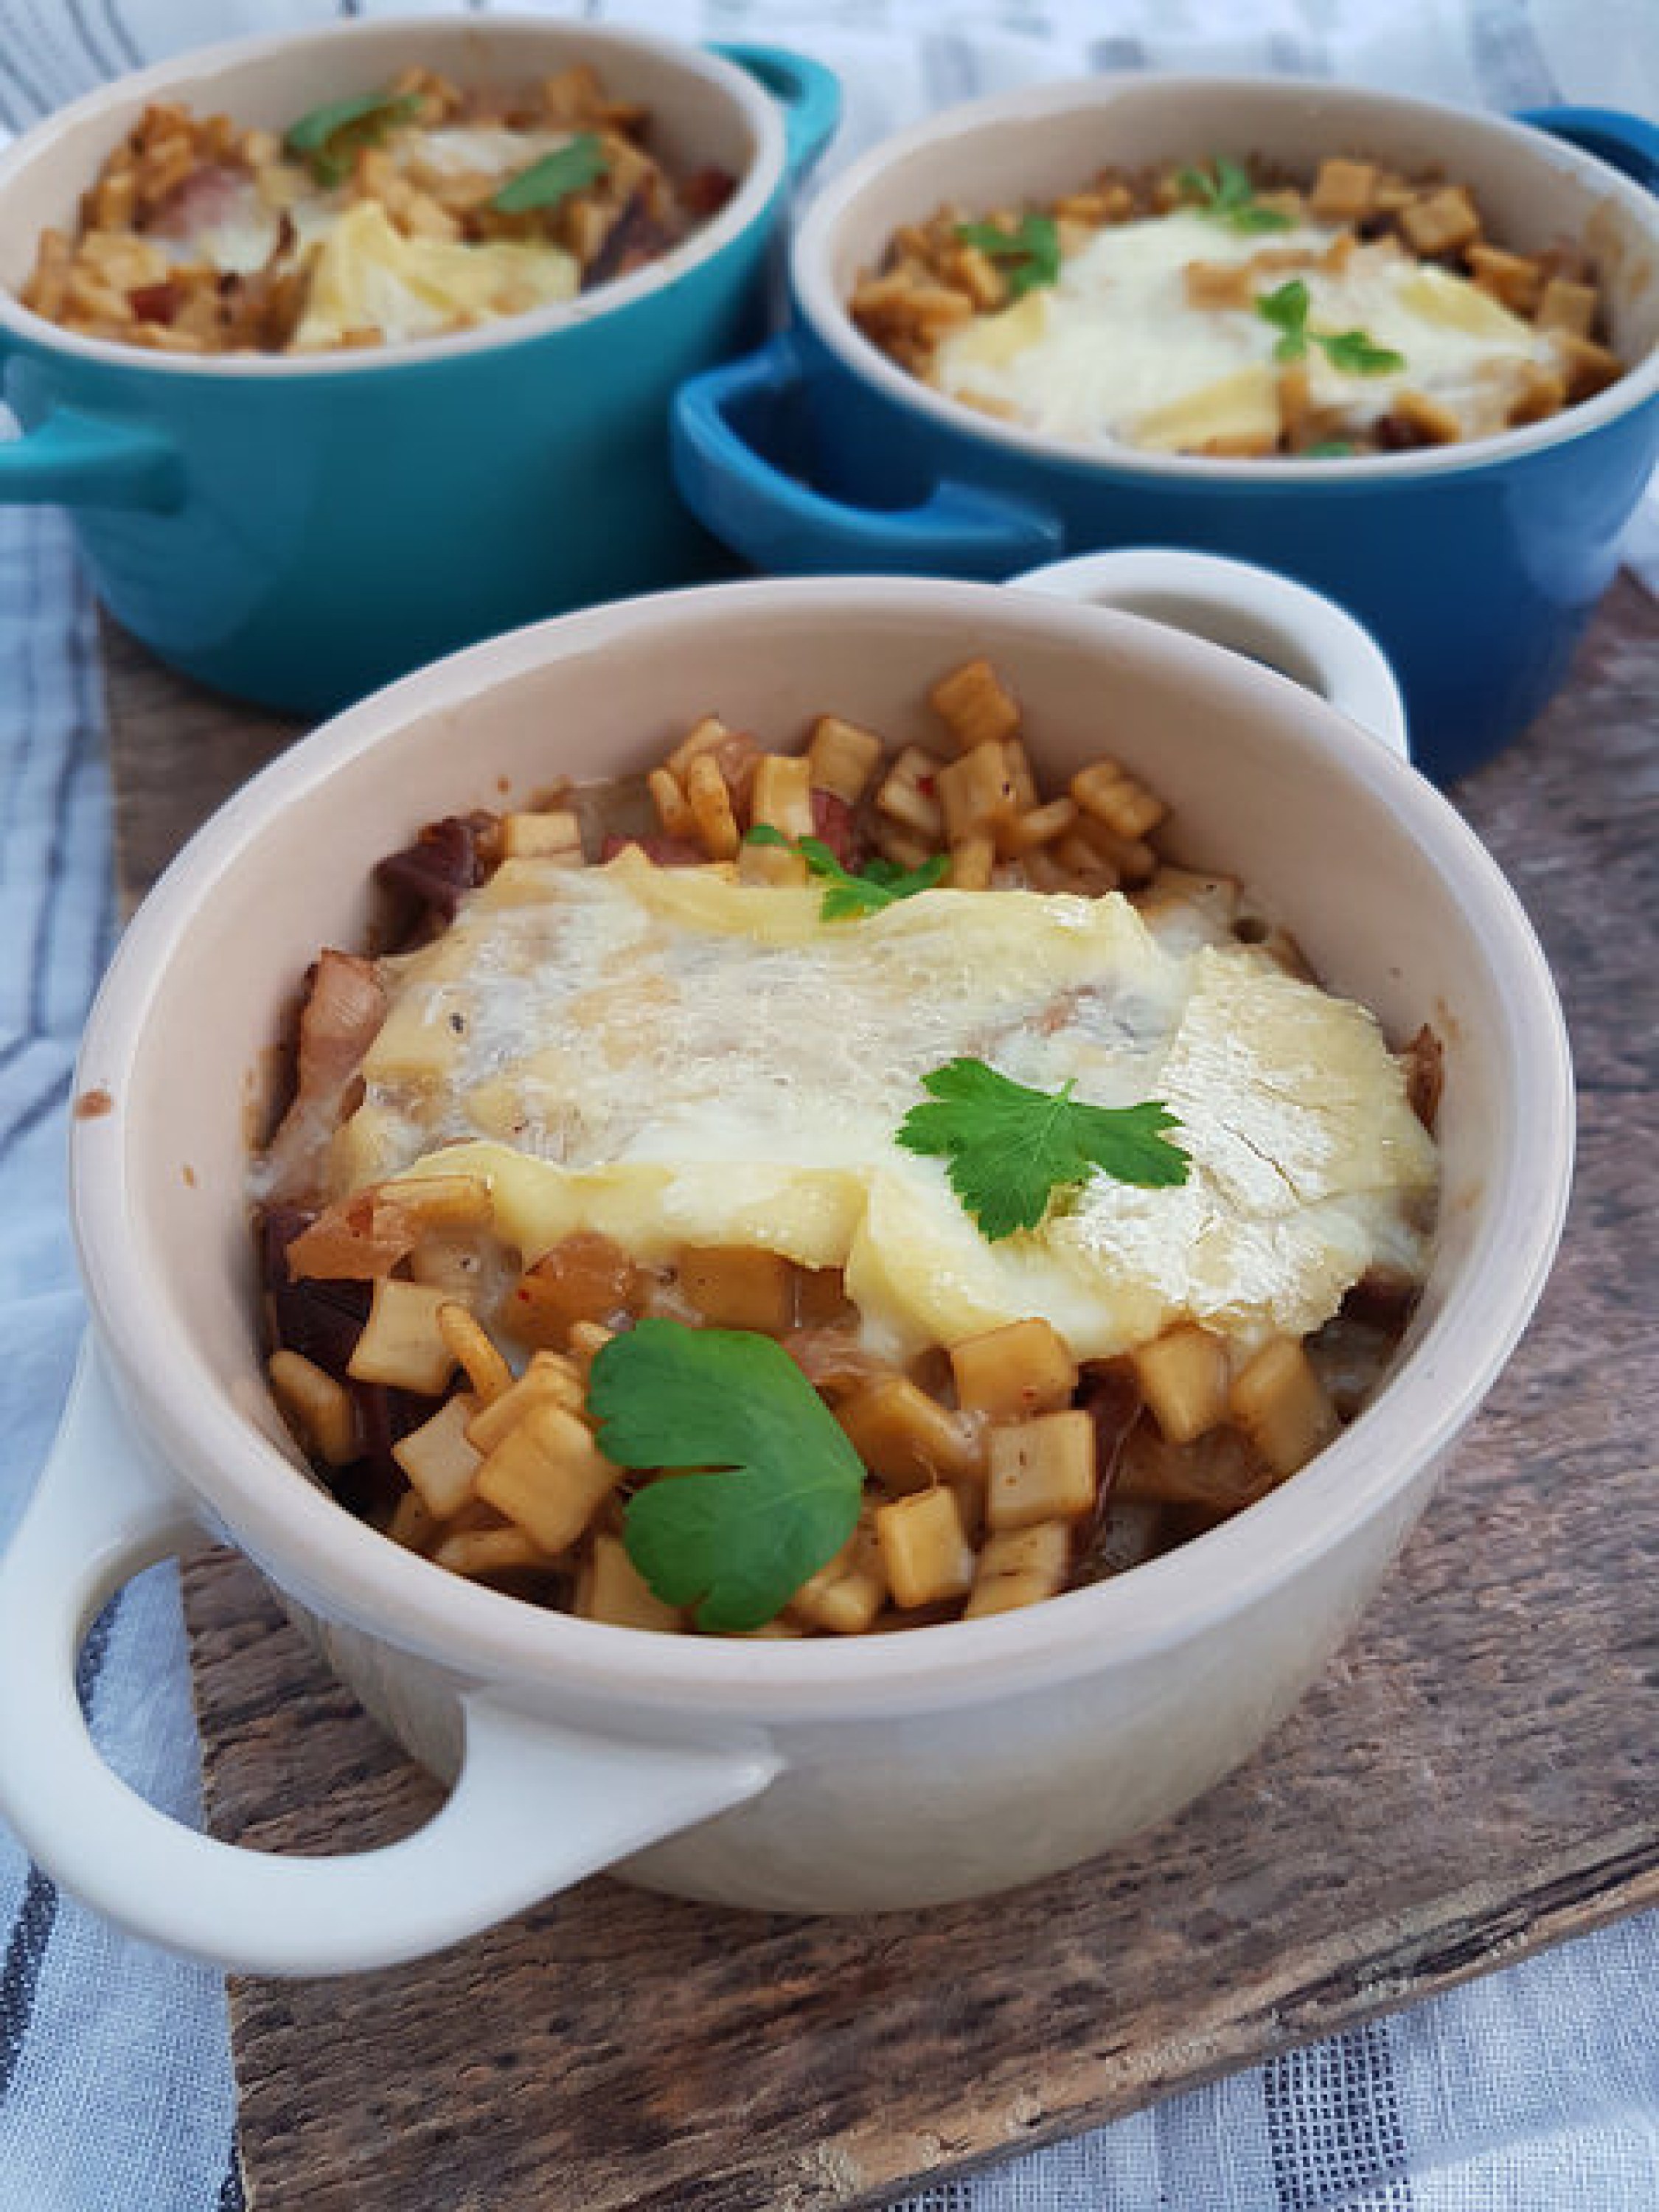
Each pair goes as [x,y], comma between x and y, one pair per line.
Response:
[778,1487]
[1287,309]
[1008,1149]
[849,897]
[1028,255]
[567,169]
[1224,192]
[328,138]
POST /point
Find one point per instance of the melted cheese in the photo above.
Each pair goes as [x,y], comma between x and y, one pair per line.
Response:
[671,1059]
[1116,353]
[368,274]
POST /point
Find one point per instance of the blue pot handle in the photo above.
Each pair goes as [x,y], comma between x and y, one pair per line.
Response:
[782,526]
[1627,143]
[84,460]
[809,93]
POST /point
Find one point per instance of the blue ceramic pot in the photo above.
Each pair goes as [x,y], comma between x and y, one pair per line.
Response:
[1475,566]
[298,531]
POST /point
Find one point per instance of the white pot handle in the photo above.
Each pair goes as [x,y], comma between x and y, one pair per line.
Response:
[535,1807]
[1253,611]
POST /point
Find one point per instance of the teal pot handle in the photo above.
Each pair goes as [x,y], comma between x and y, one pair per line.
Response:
[1627,143]
[782,526]
[85,460]
[809,93]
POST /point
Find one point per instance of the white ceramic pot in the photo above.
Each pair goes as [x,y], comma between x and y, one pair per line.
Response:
[891,1771]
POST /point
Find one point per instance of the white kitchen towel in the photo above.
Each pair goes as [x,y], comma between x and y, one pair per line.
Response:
[1536,2090]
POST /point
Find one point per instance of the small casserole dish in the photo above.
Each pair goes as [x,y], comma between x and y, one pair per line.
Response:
[1475,564]
[299,527]
[866,1773]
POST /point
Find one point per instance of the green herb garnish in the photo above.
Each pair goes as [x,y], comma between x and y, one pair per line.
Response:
[1360,356]
[850,897]
[1008,1149]
[1329,449]
[328,139]
[1225,193]
[1352,351]
[1286,309]
[1028,255]
[778,1487]
[1343,347]
[567,169]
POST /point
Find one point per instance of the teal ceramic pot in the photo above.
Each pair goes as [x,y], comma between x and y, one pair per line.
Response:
[299,530]
[1475,566]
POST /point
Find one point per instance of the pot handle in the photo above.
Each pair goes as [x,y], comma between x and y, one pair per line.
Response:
[1627,143]
[1253,611]
[87,460]
[809,93]
[782,526]
[535,1806]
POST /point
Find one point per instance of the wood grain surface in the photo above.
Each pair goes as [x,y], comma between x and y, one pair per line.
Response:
[1474,1777]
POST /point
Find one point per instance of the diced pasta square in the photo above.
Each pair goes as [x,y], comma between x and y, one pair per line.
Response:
[910,793]
[402,1343]
[735,1286]
[907,1437]
[319,1408]
[557,836]
[841,758]
[781,794]
[549,1476]
[440,1463]
[976,792]
[975,706]
[549,1379]
[846,1595]
[611,1587]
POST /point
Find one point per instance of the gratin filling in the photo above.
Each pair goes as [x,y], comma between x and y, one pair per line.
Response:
[677,1085]
[404,215]
[1173,315]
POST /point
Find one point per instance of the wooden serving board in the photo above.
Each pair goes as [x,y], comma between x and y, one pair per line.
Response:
[1474,1778]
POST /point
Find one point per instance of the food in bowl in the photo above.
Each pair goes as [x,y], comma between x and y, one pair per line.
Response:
[816,1193]
[404,213]
[1221,309]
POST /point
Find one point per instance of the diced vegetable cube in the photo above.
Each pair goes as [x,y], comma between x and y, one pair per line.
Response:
[1281,1405]
[974,706]
[841,758]
[846,1595]
[1040,1470]
[1184,1376]
[782,793]
[907,1437]
[924,1552]
[552,836]
[910,793]
[1011,1373]
[1020,1566]
[316,1407]
[735,1286]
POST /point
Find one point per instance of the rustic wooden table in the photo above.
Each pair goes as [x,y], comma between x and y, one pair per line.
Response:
[1474,1778]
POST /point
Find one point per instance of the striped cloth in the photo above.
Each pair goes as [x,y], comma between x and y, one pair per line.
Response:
[1533,2091]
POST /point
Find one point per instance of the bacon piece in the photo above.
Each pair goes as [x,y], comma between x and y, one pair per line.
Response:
[706,192]
[635,238]
[341,1016]
[208,196]
[156,303]
[444,862]
[832,822]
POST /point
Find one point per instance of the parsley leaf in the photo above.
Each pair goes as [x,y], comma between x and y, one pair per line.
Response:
[1329,449]
[328,137]
[783,1493]
[1008,1149]
[567,169]
[1352,351]
[1360,356]
[1228,197]
[1286,309]
[1030,254]
[850,897]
